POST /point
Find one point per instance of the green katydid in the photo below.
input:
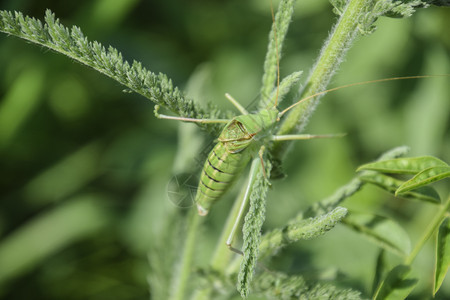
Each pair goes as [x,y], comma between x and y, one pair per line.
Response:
[242,138]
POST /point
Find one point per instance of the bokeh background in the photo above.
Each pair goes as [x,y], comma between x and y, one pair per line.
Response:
[84,167]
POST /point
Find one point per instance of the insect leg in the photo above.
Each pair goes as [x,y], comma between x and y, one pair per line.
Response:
[242,209]
[160,116]
[291,137]
[236,104]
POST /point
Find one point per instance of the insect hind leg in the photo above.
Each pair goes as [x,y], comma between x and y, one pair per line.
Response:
[242,208]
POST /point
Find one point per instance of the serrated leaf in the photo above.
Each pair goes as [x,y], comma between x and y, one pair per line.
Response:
[391,185]
[397,285]
[408,165]
[442,254]
[381,230]
[72,43]
[425,177]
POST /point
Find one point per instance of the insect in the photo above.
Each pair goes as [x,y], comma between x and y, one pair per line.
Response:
[241,139]
[244,137]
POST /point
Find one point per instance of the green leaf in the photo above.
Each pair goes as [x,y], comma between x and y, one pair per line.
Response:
[397,285]
[277,285]
[274,51]
[252,228]
[391,185]
[347,190]
[300,229]
[425,177]
[381,230]
[440,2]
[400,9]
[108,61]
[338,6]
[442,254]
[408,165]
[285,87]
[380,270]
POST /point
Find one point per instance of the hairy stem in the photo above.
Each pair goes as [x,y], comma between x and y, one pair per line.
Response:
[331,56]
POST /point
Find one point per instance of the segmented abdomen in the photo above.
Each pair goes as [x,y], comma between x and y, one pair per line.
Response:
[220,169]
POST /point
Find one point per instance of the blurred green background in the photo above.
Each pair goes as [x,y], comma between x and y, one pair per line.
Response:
[84,166]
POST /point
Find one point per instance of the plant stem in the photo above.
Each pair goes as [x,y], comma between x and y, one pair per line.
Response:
[429,232]
[331,56]
[184,270]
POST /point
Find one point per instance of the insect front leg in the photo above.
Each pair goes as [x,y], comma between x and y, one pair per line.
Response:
[242,208]
[204,121]
[293,137]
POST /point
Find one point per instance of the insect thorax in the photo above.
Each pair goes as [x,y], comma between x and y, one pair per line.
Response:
[243,130]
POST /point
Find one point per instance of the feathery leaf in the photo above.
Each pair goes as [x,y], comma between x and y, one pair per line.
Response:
[274,51]
[72,42]
[252,228]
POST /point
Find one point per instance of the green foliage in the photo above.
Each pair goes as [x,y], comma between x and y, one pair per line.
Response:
[281,286]
[442,254]
[426,169]
[392,184]
[297,230]
[397,9]
[73,43]
[274,51]
[331,56]
[440,2]
[380,270]
[404,165]
[349,189]
[381,230]
[397,284]
[424,177]
[252,228]
[123,234]
[285,87]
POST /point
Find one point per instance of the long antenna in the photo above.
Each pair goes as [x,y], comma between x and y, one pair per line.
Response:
[356,84]
[275,37]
